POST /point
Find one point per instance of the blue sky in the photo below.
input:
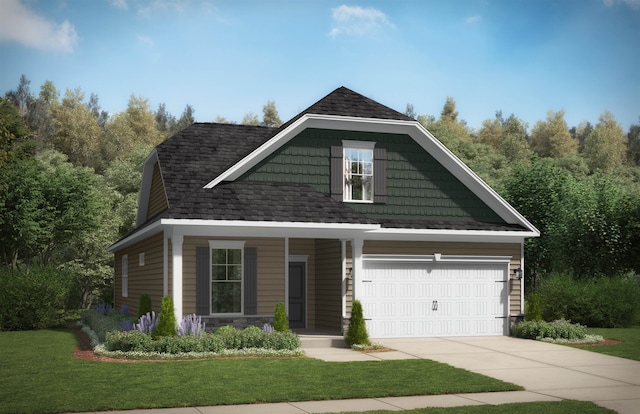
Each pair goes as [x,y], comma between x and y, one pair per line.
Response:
[227,58]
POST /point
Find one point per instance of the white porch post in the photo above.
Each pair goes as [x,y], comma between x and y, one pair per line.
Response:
[165,264]
[343,255]
[286,275]
[176,254]
[357,272]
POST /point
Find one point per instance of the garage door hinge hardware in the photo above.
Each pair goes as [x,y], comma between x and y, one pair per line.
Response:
[434,305]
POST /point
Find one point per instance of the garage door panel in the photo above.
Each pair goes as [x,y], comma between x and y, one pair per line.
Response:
[398,298]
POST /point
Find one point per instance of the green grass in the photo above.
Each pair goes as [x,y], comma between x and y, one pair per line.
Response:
[560,407]
[39,374]
[629,348]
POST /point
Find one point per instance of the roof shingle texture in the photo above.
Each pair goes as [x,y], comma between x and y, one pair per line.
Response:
[196,155]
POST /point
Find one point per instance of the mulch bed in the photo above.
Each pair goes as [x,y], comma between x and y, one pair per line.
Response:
[605,342]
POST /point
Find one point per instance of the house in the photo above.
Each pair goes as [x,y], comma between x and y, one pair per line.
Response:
[349,199]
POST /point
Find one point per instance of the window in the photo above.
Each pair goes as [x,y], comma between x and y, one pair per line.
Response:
[226,276]
[141,259]
[358,172]
[125,275]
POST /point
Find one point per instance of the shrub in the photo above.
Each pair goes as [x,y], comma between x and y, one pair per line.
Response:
[559,329]
[533,311]
[280,322]
[357,332]
[212,343]
[178,344]
[230,337]
[191,325]
[101,324]
[267,327]
[147,323]
[603,302]
[144,305]
[167,323]
[127,341]
[36,298]
[103,308]
[251,337]
[281,340]
[124,310]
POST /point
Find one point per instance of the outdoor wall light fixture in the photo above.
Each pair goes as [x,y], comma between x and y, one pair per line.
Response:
[517,273]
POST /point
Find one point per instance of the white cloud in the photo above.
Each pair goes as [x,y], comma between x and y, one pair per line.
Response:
[148,8]
[119,4]
[145,41]
[634,4]
[358,21]
[473,19]
[22,25]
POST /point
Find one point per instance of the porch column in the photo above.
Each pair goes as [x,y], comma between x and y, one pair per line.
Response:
[176,255]
[357,273]
[343,256]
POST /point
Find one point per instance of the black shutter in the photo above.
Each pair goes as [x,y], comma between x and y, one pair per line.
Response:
[337,173]
[379,175]
[250,281]
[203,284]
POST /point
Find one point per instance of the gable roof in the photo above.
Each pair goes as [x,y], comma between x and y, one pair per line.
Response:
[200,164]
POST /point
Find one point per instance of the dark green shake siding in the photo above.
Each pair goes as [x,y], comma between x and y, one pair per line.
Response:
[418,186]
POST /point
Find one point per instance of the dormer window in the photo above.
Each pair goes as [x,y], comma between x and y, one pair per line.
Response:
[358,172]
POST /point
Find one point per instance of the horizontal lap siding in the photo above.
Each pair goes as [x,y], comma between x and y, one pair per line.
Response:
[307,247]
[328,284]
[142,279]
[456,249]
[157,196]
[271,271]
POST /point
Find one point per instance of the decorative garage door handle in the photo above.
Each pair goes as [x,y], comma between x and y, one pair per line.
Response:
[434,305]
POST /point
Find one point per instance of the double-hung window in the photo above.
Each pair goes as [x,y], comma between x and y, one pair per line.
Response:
[358,171]
[226,276]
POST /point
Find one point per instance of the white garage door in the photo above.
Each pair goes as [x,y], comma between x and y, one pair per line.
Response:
[426,298]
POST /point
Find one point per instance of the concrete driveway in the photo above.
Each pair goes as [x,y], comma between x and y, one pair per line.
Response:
[542,368]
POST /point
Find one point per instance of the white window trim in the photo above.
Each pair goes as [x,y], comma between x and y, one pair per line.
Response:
[125,275]
[358,145]
[228,244]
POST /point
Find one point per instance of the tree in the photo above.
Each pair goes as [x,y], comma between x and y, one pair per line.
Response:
[47,205]
[185,120]
[126,130]
[20,97]
[606,146]
[410,112]
[551,138]
[77,133]
[12,129]
[165,122]
[270,116]
[250,119]
[537,191]
[633,137]
[449,113]
[100,115]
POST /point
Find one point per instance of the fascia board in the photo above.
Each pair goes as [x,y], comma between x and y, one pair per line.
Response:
[145,187]
[475,236]
[135,237]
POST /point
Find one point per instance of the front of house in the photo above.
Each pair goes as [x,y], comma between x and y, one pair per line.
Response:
[348,200]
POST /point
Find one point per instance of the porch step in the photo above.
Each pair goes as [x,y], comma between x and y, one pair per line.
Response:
[322,341]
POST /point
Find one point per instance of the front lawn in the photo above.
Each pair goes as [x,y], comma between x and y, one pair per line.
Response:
[629,348]
[39,374]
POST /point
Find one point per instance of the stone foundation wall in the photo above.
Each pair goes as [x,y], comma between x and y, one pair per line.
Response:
[239,322]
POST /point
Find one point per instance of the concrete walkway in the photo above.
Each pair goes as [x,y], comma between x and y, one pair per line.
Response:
[547,372]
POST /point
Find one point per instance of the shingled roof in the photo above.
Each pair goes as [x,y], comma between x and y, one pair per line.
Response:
[193,157]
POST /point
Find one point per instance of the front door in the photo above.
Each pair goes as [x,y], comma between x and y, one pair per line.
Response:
[297,290]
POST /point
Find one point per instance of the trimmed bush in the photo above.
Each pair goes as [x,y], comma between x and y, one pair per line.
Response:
[36,298]
[128,341]
[280,322]
[229,336]
[559,329]
[603,303]
[167,324]
[251,337]
[357,332]
[144,305]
